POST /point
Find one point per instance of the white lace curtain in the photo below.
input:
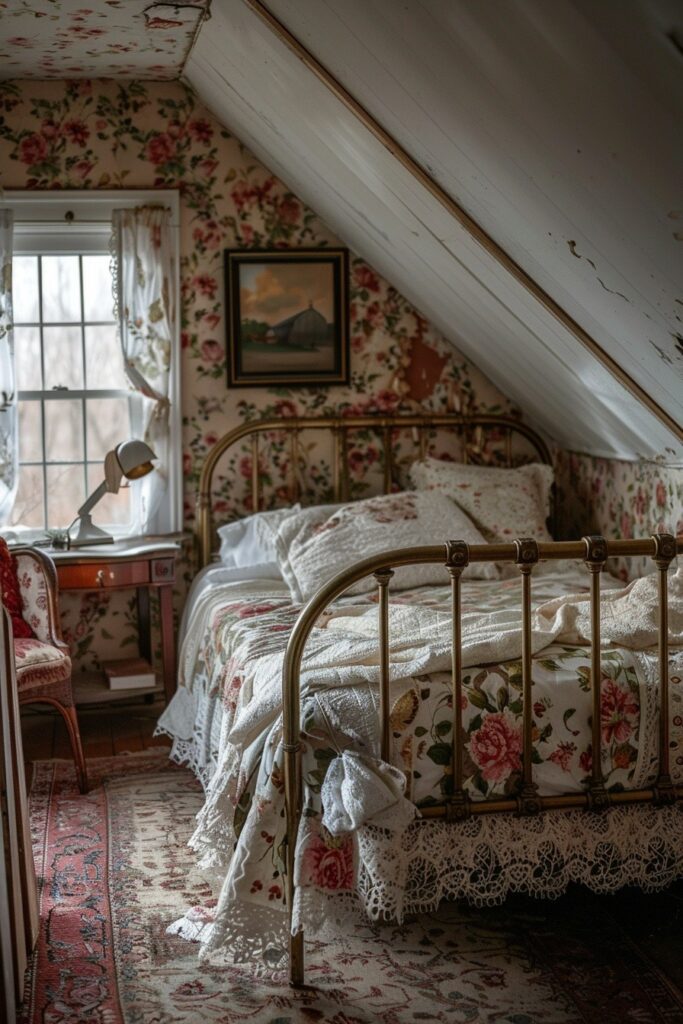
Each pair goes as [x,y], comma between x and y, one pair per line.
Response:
[146,304]
[9,434]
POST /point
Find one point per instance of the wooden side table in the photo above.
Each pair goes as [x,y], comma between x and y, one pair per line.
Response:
[140,564]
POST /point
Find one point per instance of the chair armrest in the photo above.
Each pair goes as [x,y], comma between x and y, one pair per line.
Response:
[39,591]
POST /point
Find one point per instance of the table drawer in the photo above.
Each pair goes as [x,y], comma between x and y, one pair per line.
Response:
[103,575]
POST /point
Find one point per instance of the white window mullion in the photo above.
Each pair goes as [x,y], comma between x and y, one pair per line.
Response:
[43,229]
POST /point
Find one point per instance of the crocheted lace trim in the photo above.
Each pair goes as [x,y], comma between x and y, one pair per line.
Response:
[481,860]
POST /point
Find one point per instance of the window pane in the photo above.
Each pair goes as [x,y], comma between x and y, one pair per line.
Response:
[113,509]
[108,424]
[25,293]
[61,289]
[65,494]
[64,431]
[63,355]
[98,300]
[30,433]
[104,359]
[28,507]
[27,358]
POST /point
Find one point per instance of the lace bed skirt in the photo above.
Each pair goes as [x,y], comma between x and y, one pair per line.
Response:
[482,860]
[193,721]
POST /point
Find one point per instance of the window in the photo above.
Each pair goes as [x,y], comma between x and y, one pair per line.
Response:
[75,402]
[73,394]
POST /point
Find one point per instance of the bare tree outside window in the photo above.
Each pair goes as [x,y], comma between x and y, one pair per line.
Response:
[74,399]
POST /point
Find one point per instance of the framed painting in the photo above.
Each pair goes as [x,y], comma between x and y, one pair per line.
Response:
[287,316]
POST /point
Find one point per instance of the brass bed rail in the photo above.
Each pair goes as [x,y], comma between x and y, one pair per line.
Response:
[468,427]
[456,556]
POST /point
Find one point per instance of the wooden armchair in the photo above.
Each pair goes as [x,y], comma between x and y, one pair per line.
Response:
[43,663]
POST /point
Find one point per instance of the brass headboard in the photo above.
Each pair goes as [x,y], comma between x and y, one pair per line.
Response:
[468,427]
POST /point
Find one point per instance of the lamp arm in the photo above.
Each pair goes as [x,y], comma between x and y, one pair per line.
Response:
[93,499]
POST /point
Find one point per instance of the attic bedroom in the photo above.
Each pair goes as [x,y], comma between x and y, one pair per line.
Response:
[341,483]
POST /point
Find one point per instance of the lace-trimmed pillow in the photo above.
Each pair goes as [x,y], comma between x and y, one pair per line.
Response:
[503,503]
[317,543]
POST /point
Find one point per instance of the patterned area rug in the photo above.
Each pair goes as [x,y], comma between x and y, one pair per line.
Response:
[115,871]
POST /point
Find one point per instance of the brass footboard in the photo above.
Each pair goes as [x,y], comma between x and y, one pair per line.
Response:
[456,556]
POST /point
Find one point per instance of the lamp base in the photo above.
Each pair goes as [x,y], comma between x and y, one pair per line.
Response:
[89,534]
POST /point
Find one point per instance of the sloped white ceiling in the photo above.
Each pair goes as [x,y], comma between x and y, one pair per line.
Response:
[555,125]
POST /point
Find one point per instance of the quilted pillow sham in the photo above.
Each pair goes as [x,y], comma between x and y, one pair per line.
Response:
[319,542]
[503,503]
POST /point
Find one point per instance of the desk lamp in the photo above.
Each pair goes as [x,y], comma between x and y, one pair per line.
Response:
[131,459]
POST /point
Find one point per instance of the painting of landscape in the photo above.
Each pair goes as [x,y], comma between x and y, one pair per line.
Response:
[288,317]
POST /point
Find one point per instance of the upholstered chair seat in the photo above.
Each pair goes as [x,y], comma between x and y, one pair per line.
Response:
[42,664]
[42,660]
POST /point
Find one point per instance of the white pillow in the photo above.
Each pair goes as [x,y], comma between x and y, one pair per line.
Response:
[315,545]
[251,541]
[503,503]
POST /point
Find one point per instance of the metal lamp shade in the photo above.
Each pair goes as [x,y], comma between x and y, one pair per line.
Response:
[132,459]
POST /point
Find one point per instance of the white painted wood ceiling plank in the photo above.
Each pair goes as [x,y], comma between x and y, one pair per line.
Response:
[525,115]
[263,93]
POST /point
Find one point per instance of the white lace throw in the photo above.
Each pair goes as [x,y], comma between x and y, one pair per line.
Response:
[9,436]
[146,306]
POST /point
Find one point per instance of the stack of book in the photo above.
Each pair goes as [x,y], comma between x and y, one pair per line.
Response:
[129,674]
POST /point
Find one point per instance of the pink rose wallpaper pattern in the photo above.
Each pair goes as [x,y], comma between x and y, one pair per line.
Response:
[54,38]
[618,499]
[85,134]
[90,134]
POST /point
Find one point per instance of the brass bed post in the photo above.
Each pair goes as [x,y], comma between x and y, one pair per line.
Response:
[293,459]
[203,536]
[344,464]
[255,475]
[383,576]
[526,557]
[596,556]
[665,551]
[422,436]
[457,559]
[291,746]
[386,442]
[337,463]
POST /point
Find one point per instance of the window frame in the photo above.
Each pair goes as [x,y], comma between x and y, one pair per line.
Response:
[41,220]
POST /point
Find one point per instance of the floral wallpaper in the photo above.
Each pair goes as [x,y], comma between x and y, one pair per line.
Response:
[134,134]
[107,134]
[54,38]
[618,499]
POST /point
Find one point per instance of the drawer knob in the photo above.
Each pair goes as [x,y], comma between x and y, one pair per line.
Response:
[100,577]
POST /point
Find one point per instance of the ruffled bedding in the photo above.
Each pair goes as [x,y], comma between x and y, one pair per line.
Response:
[360,847]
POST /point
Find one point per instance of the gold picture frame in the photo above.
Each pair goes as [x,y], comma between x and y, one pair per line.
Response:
[287,317]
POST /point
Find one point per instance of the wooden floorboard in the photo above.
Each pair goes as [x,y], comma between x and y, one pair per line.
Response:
[105,730]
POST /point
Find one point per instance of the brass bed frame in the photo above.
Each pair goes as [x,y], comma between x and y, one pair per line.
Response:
[455,555]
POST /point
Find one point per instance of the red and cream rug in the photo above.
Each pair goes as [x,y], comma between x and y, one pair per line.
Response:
[114,871]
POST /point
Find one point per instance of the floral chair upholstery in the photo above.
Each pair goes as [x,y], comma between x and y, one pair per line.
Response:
[43,664]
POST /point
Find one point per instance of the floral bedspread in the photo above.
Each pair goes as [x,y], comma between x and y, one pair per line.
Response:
[241,830]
